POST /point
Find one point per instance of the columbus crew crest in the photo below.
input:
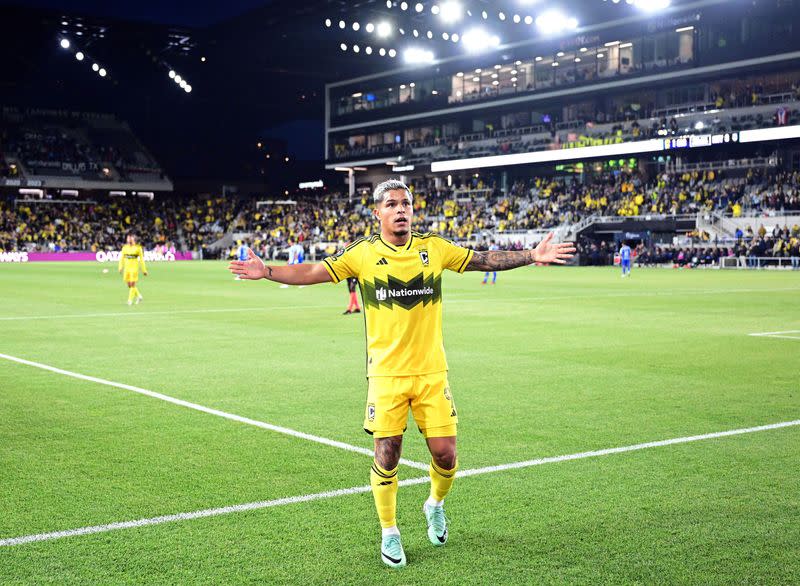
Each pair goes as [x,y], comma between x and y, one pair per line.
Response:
[423,256]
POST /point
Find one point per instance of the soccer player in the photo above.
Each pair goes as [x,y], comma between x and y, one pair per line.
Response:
[492,246]
[296,253]
[625,259]
[353,307]
[130,257]
[400,274]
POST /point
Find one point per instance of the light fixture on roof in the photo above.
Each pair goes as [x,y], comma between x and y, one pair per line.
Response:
[172,74]
[419,7]
[529,19]
[342,24]
[454,37]
[451,11]
[356,49]
[516,18]
[343,47]
[555,64]
[79,56]
[384,29]
[202,59]
[553,22]
[328,22]
[415,55]
[404,6]
[498,66]
[476,79]
[178,79]
[402,86]
[477,39]
[460,74]
[188,89]
[102,72]
[381,51]
[357,95]
[495,82]
[652,5]
[64,43]
[435,9]
[392,53]
[95,67]
[368,50]
[600,55]
[356,26]
[538,59]
[577,59]
[625,45]
[370,27]
[560,54]
[429,34]
[412,84]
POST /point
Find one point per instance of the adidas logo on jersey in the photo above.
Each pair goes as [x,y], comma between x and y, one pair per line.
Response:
[383,261]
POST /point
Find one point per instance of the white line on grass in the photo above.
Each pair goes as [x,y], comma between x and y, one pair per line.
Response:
[363,489]
[209,410]
[777,335]
[453,299]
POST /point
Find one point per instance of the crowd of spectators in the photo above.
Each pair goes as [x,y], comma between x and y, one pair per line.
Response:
[468,212]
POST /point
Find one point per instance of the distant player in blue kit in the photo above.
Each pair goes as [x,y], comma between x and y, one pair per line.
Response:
[492,246]
[241,254]
[296,253]
[625,259]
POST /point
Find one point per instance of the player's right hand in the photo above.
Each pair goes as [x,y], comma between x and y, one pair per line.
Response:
[253,268]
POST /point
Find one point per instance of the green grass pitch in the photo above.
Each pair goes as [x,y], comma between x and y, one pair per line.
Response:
[548,362]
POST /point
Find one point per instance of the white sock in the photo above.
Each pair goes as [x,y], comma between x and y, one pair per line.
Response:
[387,531]
[432,502]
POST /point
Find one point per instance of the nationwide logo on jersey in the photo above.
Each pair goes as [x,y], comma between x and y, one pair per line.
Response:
[404,294]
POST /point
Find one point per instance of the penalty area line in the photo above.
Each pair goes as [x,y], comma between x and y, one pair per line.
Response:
[366,488]
[203,409]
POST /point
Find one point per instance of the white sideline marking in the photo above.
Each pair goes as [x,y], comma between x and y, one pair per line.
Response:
[210,411]
[469,298]
[778,335]
[363,489]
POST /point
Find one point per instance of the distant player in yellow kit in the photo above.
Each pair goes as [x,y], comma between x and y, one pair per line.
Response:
[129,259]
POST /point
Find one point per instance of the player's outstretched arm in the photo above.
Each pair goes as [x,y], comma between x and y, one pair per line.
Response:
[254,268]
[502,260]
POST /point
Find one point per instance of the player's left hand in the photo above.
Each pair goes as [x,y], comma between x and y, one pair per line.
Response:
[547,252]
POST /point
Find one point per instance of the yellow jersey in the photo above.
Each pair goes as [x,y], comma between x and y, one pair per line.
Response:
[401,289]
[130,257]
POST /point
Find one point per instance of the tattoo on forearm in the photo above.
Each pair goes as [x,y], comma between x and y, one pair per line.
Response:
[387,451]
[499,260]
[269,272]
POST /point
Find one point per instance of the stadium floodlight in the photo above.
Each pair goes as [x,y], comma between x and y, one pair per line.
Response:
[356,26]
[415,56]
[392,53]
[95,67]
[477,39]
[501,15]
[368,50]
[446,36]
[516,18]
[699,125]
[102,72]
[419,7]
[454,37]
[451,11]
[343,47]
[388,3]
[178,79]
[553,22]
[370,27]
[79,56]
[172,74]
[188,89]
[415,32]
[484,15]
[342,24]
[435,9]
[356,49]
[64,43]
[382,52]
[328,22]
[529,19]
[652,5]
[384,29]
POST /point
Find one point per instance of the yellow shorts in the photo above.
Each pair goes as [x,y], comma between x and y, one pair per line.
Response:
[428,396]
[130,276]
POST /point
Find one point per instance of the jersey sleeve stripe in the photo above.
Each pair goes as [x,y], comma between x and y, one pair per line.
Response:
[330,270]
[465,261]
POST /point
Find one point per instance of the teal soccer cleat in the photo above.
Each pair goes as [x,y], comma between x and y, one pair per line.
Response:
[392,553]
[437,524]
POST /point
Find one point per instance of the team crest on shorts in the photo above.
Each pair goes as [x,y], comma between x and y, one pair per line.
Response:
[371,411]
[447,394]
[423,256]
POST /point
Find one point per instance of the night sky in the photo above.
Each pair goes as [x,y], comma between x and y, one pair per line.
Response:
[188,13]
